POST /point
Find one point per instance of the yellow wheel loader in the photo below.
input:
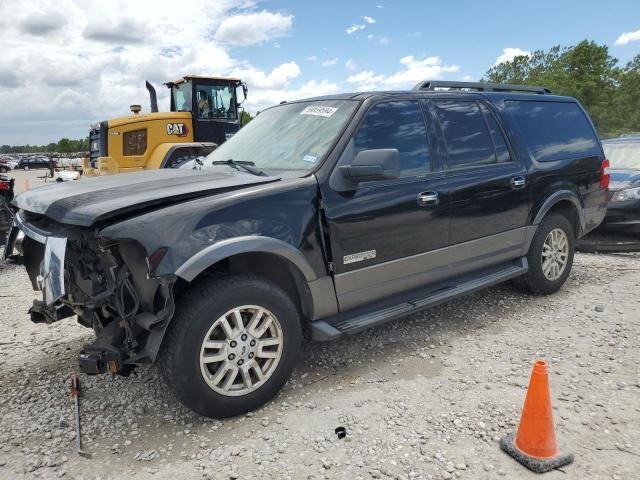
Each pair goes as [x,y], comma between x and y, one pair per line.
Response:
[204,113]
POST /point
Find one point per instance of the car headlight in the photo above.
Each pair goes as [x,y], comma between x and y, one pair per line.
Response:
[626,195]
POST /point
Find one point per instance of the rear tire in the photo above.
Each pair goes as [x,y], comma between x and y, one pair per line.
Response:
[207,344]
[550,256]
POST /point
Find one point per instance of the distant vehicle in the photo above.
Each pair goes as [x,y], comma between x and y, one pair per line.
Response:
[623,214]
[7,164]
[6,214]
[69,162]
[328,215]
[32,163]
[66,175]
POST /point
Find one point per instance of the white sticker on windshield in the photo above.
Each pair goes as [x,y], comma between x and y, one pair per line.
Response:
[319,111]
[310,157]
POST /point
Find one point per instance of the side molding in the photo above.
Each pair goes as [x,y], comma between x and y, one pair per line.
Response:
[247,244]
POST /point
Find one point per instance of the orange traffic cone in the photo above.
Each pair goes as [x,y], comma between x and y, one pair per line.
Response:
[535,445]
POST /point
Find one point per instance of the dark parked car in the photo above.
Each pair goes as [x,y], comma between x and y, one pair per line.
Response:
[6,214]
[30,163]
[623,214]
[326,216]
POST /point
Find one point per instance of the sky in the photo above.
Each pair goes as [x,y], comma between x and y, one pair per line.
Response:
[65,64]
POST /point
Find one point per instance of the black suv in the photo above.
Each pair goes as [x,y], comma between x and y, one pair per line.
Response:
[325,216]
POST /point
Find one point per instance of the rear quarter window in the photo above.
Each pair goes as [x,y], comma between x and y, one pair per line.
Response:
[554,130]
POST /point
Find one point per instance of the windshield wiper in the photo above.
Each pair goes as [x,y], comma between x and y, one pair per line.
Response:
[248,166]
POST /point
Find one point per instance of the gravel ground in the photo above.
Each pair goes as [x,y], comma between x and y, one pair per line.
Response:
[424,397]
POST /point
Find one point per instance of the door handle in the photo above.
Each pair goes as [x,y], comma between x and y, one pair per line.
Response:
[518,182]
[428,199]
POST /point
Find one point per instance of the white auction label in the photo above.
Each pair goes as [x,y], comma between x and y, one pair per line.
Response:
[319,111]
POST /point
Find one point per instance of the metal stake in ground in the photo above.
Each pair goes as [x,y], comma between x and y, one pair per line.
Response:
[75,393]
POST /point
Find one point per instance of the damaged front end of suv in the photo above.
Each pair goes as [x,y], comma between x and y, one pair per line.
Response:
[107,284]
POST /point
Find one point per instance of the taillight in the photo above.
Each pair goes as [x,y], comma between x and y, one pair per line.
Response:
[604,174]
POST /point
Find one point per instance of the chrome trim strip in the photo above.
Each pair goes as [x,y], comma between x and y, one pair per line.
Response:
[28,230]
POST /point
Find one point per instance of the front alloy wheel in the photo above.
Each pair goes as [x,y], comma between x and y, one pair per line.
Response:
[241,350]
[232,344]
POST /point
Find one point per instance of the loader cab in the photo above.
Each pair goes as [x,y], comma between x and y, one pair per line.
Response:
[213,104]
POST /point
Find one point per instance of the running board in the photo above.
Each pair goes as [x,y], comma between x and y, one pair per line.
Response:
[334,327]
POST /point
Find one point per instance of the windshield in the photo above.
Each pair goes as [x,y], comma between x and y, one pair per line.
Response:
[182,96]
[216,101]
[623,156]
[293,136]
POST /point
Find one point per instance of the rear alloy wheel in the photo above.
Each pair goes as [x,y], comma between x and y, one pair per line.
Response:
[555,253]
[550,255]
[232,345]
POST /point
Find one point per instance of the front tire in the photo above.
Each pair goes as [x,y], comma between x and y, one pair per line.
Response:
[550,256]
[231,346]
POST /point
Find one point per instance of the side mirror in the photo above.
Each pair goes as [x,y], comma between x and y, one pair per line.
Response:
[368,165]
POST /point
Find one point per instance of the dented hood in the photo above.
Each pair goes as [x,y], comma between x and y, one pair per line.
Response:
[91,200]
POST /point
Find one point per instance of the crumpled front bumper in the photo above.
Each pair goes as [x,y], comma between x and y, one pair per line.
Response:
[45,266]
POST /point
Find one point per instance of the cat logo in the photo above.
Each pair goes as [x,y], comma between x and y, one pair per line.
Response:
[178,129]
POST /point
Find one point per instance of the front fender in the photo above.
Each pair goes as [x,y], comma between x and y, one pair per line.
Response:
[247,244]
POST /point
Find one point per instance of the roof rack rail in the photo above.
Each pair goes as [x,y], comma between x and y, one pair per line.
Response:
[480,86]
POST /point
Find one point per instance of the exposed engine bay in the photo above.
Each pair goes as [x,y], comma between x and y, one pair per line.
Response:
[106,284]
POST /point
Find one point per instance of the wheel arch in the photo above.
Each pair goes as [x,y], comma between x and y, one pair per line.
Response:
[268,257]
[566,203]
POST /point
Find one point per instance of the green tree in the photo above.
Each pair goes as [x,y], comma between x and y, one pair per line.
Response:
[585,71]
[245,117]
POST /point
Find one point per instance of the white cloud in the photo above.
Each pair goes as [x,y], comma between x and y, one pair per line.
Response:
[383,41]
[509,54]
[628,37]
[331,62]
[265,98]
[277,79]
[93,64]
[467,78]
[418,70]
[366,80]
[350,64]
[121,32]
[43,23]
[253,28]
[312,58]
[369,20]
[354,28]
[413,72]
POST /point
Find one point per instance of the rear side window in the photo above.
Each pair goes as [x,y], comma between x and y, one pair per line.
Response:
[502,151]
[397,125]
[465,132]
[554,130]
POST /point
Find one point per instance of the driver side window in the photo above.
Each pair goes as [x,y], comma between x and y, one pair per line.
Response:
[399,125]
[203,102]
